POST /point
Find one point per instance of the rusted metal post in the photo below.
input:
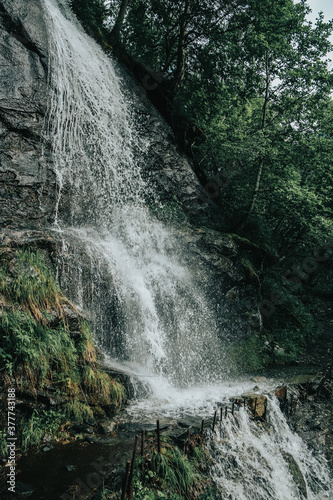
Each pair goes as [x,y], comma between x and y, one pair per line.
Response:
[130,494]
[158,437]
[214,421]
[132,466]
[265,409]
[221,414]
[142,442]
[307,389]
[128,466]
[202,426]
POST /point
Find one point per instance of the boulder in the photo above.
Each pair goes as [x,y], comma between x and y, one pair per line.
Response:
[296,473]
[256,402]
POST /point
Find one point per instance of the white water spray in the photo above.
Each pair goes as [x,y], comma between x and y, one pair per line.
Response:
[166,325]
[254,462]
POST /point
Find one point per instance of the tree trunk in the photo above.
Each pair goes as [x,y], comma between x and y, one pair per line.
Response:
[181,51]
[115,33]
[261,160]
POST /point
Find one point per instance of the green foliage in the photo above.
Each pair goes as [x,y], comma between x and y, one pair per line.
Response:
[78,411]
[171,474]
[37,351]
[3,444]
[28,345]
[31,285]
[41,423]
[92,14]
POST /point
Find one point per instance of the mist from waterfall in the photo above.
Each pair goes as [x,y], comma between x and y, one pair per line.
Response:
[164,323]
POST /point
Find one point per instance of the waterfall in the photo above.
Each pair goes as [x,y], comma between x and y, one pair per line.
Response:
[150,312]
[153,314]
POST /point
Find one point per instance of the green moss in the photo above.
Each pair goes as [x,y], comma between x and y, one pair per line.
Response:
[249,354]
[170,211]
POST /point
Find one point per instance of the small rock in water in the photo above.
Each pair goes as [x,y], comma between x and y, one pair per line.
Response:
[107,427]
[91,439]
[69,468]
[260,406]
[258,380]
[47,448]
[281,393]
[296,474]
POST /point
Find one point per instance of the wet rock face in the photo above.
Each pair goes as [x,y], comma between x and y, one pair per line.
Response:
[27,181]
[312,414]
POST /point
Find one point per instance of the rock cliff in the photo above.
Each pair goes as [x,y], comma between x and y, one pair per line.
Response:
[27,180]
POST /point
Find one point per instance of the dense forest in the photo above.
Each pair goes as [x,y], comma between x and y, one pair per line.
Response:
[246,87]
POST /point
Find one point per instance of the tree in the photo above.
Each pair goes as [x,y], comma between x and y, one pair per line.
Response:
[115,32]
[92,14]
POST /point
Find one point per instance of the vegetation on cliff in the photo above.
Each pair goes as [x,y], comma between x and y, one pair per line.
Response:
[47,353]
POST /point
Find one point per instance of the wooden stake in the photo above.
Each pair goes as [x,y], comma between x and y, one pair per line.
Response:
[202,426]
[142,442]
[133,463]
[226,412]
[233,409]
[158,437]
[214,421]
[265,410]
[128,465]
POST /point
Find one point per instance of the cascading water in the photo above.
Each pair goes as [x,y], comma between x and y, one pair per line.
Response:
[165,324]
[253,462]
[150,312]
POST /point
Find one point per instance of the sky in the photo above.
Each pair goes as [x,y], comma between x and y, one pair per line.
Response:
[327,7]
